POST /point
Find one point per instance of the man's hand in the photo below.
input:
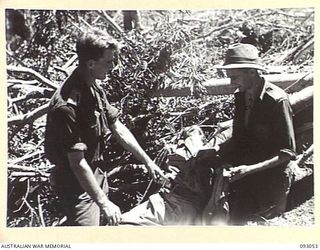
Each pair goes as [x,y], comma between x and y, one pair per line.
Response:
[236,173]
[129,142]
[111,212]
[87,180]
[156,173]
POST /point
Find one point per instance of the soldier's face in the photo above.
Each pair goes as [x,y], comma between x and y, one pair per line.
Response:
[240,78]
[103,65]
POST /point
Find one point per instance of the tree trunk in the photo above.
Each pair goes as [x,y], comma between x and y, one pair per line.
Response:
[294,82]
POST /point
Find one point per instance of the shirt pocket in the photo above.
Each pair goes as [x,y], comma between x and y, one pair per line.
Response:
[91,128]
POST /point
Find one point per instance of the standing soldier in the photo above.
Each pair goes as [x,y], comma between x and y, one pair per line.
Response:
[78,121]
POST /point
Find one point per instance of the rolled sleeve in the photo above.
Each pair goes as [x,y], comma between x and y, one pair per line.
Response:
[79,146]
[292,154]
[284,129]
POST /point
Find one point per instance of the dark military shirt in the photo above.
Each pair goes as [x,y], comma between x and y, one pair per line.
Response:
[78,120]
[269,129]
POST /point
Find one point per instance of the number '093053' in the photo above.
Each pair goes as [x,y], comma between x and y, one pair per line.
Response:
[308,246]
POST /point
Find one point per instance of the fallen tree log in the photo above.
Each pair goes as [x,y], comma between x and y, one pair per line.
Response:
[28,174]
[302,99]
[296,82]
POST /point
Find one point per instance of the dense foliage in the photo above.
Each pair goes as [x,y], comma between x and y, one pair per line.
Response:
[172,49]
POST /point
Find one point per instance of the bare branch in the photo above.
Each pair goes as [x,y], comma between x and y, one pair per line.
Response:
[117,15]
[27,156]
[21,168]
[29,117]
[40,93]
[24,198]
[295,52]
[28,174]
[31,88]
[37,75]
[70,61]
[111,21]
[15,58]
[40,211]
[85,22]
[11,82]
[304,157]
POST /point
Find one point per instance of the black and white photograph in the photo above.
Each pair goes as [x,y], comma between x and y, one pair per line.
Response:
[158,117]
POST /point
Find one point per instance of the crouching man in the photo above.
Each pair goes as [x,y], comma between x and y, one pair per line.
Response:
[262,145]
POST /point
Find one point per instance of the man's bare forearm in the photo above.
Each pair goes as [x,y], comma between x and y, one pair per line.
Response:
[86,178]
[238,172]
[129,142]
[270,163]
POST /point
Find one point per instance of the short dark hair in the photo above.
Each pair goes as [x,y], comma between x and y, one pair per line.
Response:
[91,45]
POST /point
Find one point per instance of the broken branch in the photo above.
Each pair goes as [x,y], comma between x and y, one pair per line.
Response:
[29,117]
[113,24]
[37,75]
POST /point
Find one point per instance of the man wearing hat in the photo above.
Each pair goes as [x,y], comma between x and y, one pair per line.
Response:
[262,144]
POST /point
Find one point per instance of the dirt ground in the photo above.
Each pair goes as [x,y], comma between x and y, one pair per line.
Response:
[303,215]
